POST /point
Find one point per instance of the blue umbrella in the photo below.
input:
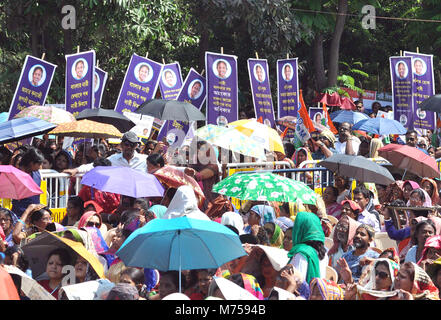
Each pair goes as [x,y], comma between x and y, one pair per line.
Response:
[123,180]
[381,126]
[22,128]
[180,244]
[347,116]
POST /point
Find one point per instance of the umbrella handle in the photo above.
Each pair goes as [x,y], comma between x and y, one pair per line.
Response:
[405,170]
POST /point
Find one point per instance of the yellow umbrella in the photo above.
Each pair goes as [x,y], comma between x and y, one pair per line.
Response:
[87,129]
[261,133]
[37,250]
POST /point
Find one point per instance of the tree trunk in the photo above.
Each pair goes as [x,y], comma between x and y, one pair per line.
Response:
[319,65]
[34,37]
[335,43]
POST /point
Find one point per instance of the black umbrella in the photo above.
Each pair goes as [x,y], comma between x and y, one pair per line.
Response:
[108,116]
[170,110]
[432,103]
[358,168]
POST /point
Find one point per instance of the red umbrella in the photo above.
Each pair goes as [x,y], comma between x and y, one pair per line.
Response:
[347,104]
[174,178]
[8,291]
[330,99]
[410,159]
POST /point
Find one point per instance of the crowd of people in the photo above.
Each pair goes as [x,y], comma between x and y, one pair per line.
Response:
[295,251]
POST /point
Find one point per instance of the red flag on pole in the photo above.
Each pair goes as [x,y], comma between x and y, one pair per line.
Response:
[303,112]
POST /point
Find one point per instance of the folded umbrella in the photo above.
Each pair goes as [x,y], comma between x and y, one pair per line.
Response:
[170,110]
[123,180]
[380,126]
[410,159]
[16,184]
[358,168]
[22,128]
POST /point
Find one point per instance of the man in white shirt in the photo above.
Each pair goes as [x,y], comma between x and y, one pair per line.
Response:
[127,158]
[361,197]
[346,143]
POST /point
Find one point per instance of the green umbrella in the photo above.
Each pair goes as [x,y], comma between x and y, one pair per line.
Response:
[265,186]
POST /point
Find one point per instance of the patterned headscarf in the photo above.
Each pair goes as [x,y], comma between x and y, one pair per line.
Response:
[328,289]
[399,184]
[251,285]
[353,225]
[277,238]
[265,212]
[423,287]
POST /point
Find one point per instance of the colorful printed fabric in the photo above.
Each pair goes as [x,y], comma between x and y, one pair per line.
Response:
[423,287]
[329,290]
[435,195]
[252,286]
[97,239]
[431,242]
[393,271]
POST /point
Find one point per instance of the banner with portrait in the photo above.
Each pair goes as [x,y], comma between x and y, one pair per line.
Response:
[193,91]
[221,88]
[261,91]
[33,85]
[402,82]
[423,87]
[80,73]
[287,87]
[140,83]
[171,81]
[99,83]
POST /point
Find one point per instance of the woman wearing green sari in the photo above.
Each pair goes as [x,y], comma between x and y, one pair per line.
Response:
[308,254]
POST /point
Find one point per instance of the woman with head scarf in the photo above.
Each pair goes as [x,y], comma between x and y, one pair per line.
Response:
[408,187]
[322,289]
[184,203]
[157,210]
[419,198]
[344,232]
[8,219]
[430,186]
[259,215]
[308,253]
[431,251]
[233,219]
[414,280]
[395,191]
[275,234]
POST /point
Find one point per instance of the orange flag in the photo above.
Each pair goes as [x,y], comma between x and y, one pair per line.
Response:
[283,134]
[303,112]
[260,120]
[330,123]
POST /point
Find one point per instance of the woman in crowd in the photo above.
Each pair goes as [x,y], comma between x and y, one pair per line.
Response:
[333,208]
[423,230]
[57,259]
[74,211]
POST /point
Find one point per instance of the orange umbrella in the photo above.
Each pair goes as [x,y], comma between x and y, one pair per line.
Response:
[175,178]
[8,291]
[87,129]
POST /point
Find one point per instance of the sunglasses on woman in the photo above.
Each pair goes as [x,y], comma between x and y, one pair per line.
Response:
[383,275]
[93,224]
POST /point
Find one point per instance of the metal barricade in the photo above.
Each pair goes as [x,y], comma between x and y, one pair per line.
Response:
[252,166]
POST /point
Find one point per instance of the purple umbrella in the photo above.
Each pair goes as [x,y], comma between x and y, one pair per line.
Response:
[123,180]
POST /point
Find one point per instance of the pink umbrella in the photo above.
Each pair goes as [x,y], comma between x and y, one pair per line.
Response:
[16,184]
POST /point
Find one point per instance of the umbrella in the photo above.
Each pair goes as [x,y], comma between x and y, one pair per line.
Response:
[380,126]
[87,129]
[8,291]
[30,287]
[232,291]
[347,104]
[432,103]
[330,99]
[174,178]
[261,133]
[410,159]
[88,290]
[123,180]
[170,110]
[348,116]
[38,249]
[22,128]
[265,186]
[231,139]
[180,244]
[109,116]
[16,184]
[359,168]
[48,113]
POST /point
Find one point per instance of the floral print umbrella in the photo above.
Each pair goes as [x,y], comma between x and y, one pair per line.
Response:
[48,113]
[265,186]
